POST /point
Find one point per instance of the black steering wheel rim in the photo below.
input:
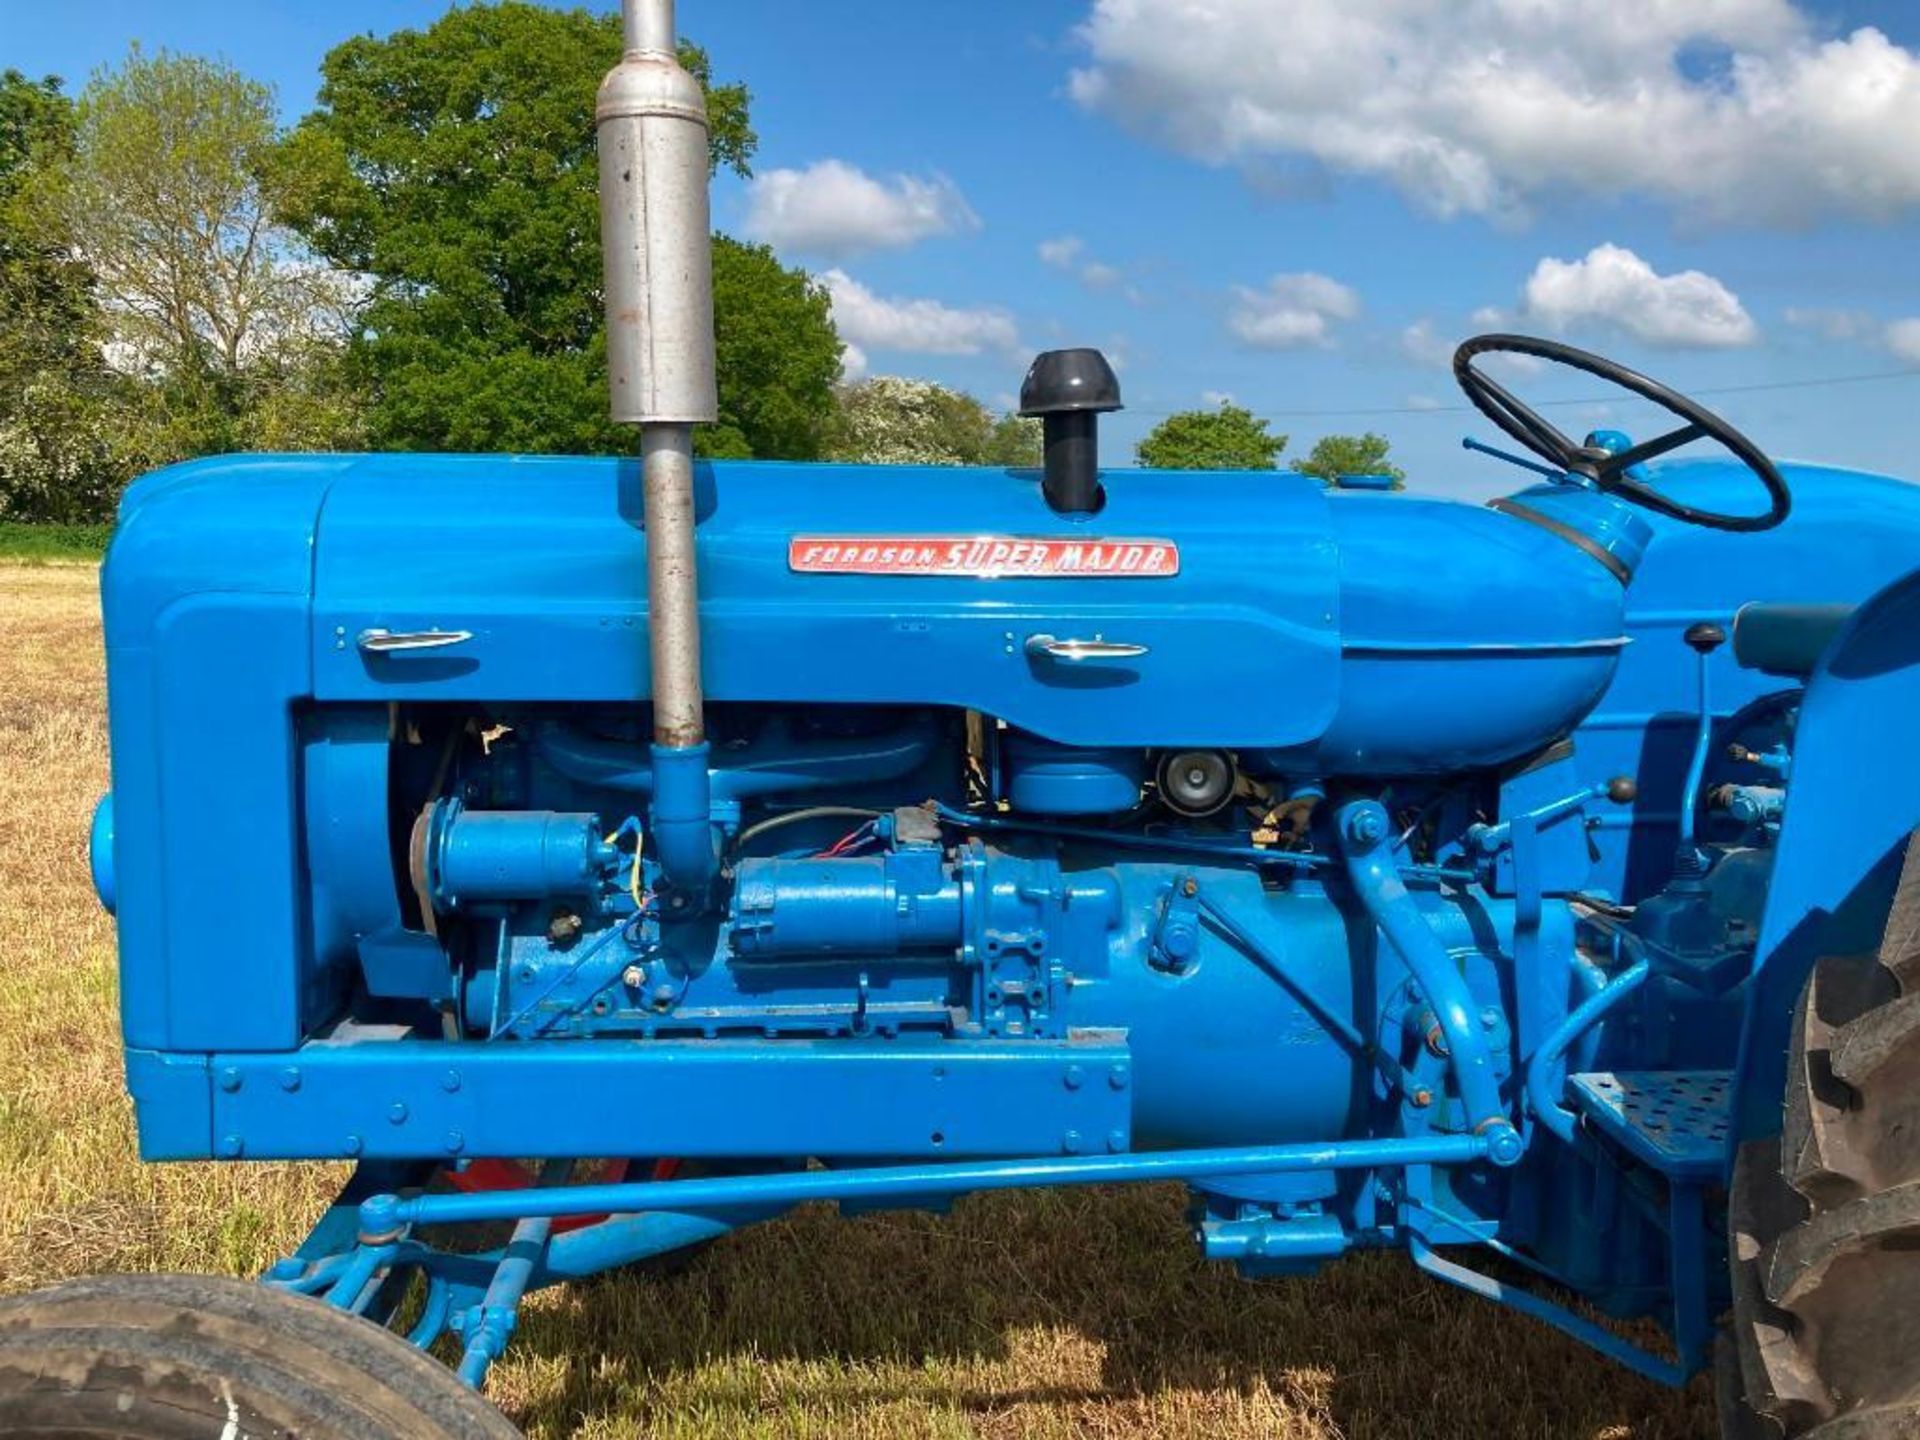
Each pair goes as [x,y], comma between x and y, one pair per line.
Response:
[1607,470]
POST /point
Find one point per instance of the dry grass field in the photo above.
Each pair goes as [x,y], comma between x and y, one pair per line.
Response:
[1067,1314]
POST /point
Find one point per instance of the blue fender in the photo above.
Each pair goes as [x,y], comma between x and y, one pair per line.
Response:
[1853,798]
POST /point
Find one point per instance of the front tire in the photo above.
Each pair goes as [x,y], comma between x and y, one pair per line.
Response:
[1824,1223]
[190,1357]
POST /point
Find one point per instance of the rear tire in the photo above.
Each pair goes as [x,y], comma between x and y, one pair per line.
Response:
[178,1356]
[1824,1221]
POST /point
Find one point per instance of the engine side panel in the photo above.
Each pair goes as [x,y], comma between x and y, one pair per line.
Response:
[534,559]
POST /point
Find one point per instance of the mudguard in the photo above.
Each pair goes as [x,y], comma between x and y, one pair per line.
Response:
[1853,798]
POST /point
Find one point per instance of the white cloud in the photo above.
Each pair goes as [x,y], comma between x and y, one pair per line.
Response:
[1423,345]
[833,208]
[1614,287]
[1214,399]
[1069,253]
[1832,324]
[1902,337]
[867,321]
[1291,310]
[1062,251]
[1899,338]
[1423,402]
[1726,108]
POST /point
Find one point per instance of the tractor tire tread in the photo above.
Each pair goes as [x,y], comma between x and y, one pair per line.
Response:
[1824,1222]
[177,1344]
[1900,943]
[1819,1152]
[1800,1260]
[1875,1040]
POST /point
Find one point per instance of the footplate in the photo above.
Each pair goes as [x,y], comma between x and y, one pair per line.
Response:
[1674,1120]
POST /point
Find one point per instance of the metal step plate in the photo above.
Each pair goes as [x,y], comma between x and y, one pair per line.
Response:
[1674,1120]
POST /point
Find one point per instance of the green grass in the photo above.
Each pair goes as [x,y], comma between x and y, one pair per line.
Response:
[52,544]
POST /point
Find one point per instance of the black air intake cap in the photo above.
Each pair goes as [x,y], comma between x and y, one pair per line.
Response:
[1062,381]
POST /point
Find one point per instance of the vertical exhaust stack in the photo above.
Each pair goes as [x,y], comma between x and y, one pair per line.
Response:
[655,238]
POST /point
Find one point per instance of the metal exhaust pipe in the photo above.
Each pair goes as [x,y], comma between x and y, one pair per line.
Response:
[655,240]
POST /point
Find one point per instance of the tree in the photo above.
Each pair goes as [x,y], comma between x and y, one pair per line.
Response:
[456,166]
[171,195]
[1015,443]
[778,356]
[890,420]
[57,456]
[1229,438]
[1335,455]
[220,330]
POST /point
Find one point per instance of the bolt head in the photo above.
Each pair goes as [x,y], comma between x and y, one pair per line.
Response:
[1422,1098]
[1117,1077]
[229,1079]
[397,1113]
[450,1081]
[1075,1077]
[1072,1142]
[634,976]
[290,1078]
[1366,825]
[232,1147]
[455,1142]
[1504,1145]
[352,1146]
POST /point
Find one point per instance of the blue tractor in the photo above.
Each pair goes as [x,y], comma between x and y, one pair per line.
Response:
[622,853]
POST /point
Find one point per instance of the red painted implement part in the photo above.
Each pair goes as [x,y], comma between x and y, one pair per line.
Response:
[485,1176]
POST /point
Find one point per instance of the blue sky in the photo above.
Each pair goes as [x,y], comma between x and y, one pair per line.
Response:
[1301,206]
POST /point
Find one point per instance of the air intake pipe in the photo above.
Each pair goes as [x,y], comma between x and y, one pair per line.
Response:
[1069,390]
[654,236]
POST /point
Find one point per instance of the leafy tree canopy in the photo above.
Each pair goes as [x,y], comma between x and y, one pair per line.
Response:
[35,117]
[1229,438]
[889,420]
[456,166]
[174,183]
[57,457]
[1335,455]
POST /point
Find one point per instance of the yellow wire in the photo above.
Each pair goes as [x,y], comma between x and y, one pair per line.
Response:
[633,875]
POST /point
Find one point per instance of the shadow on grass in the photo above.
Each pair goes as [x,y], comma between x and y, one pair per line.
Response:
[902,1309]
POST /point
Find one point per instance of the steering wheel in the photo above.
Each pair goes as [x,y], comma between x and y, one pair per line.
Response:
[1607,469]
